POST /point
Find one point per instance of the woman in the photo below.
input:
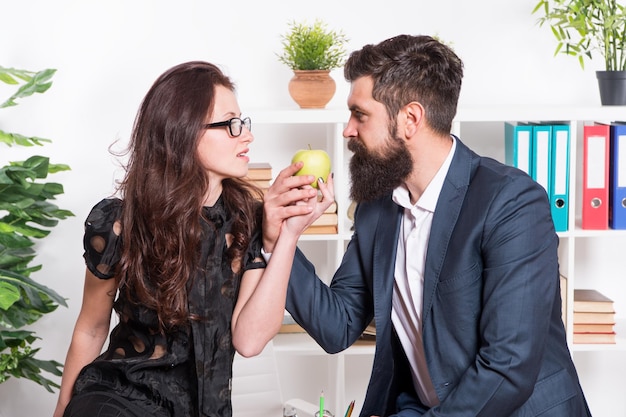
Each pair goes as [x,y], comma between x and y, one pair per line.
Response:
[181,249]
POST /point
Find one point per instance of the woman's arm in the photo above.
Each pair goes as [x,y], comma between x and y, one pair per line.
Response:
[260,307]
[90,333]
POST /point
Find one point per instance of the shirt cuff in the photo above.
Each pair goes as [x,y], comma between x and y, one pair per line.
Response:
[266,255]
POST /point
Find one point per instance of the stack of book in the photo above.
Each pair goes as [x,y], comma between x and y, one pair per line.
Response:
[594,317]
[260,174]
[370,332]
[326,223]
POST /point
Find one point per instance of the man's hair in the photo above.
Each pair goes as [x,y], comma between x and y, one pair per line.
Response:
[409,68]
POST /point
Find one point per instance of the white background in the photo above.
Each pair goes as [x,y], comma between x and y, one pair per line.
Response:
[108,53]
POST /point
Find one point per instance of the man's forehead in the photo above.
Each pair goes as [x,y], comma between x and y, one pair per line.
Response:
[361,91]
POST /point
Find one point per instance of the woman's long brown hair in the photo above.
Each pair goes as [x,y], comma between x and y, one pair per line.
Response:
[163,193]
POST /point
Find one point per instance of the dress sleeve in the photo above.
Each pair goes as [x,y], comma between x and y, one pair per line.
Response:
[102,242]
[253,257]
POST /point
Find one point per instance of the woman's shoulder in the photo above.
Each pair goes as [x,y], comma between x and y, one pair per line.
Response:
[102,237]
[109,203]
[106,211]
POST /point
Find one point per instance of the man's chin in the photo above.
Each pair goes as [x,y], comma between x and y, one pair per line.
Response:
[374,176]
[365,194]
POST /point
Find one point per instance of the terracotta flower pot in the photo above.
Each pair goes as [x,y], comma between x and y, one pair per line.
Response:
[312,89]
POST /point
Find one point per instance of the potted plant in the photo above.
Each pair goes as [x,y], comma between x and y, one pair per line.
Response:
[312,51]
[583,28]
[25,215]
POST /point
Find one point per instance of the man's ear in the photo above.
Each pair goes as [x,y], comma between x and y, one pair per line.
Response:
[413,115]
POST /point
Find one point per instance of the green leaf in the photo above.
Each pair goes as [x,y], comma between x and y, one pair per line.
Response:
[6,78]
[54,168]
[17,139]
[15,259]
[15,241]
[9,73]
[9,294]
[38,164]
[23,229]
[38,83]
[27,283]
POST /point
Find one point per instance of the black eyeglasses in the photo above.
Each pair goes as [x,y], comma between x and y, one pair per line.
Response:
[235,125]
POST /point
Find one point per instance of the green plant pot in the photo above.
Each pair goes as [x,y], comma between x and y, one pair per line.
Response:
[612,86]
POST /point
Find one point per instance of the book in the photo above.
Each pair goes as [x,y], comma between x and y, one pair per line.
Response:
[592,301]
[332,208]
[370,332]
[591,338]
[581,317]
[326,223]
[320,230]
[291,328]
[259,171]
[289,325]
[594,328]
[326,219]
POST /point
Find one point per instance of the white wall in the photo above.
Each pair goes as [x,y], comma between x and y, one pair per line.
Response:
[108,53]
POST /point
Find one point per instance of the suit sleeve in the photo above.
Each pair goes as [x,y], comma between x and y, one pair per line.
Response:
[336,315]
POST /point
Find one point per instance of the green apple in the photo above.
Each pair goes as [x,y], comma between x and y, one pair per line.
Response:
[316,163]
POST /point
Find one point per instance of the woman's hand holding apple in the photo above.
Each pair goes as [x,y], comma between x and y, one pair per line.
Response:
[292,195]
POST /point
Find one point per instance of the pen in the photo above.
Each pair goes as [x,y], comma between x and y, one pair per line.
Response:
[321,404]
[350,408]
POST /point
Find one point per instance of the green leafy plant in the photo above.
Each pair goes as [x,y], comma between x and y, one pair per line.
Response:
[26,214]
[313,47]
[585,27]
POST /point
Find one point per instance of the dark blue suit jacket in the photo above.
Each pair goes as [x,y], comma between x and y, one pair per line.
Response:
[493,335]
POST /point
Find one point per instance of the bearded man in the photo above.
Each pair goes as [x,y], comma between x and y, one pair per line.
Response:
[453,255]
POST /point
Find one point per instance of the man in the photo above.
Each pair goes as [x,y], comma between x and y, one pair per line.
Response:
[453,255]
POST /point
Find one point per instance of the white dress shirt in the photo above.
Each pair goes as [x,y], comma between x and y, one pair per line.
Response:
[406,312]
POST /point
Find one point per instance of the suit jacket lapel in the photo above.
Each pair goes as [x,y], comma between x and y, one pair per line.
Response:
[444,220]
[385,246]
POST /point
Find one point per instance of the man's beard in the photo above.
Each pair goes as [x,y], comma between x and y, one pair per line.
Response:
[373,174]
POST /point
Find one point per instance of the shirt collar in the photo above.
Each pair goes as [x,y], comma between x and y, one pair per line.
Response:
[428,200]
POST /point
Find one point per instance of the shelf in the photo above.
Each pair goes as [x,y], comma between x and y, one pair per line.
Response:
[507,113]
[332,237]
[597,233]
[303,344]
